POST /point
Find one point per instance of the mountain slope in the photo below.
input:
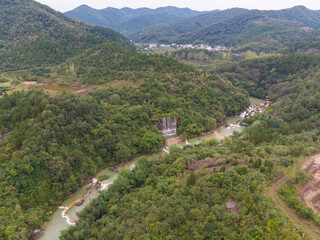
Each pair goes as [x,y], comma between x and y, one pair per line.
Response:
[157,32]
[129,21]
[34,35]
[51,143]
[269,28]
[252,28]
[219,192]
[300,14]
[41,44]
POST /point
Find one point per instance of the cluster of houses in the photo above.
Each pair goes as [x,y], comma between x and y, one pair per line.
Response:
[186,46]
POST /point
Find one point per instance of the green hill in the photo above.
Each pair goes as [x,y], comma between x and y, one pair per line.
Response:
[211,191]
[255,30]
[129,21]
[157,32]
[250,31]
[258,75]
[35,35]
[51,143]
[38,43]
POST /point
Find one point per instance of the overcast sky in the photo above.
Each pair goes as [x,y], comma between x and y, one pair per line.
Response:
[65,5]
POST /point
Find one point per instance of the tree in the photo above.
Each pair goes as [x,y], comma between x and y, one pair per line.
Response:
[115,99]
[191,180]
[150,142]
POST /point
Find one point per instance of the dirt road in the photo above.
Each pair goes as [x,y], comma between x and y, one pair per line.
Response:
[309,227]
[311,192]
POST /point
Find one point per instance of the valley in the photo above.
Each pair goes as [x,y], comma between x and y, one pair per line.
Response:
[171,124]
[65,216]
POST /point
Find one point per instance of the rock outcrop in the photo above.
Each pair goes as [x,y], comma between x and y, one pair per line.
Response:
[37,233]
[167,126]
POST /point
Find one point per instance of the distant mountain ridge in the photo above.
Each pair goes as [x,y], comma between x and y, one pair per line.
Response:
[129,21]
[156,32]
[233,27]
[40,44]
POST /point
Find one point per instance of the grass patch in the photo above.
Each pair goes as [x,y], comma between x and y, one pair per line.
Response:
[255,100]
[58,88]
[123,83]
[103,177]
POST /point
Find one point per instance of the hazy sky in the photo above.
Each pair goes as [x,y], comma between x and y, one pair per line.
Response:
[65,5]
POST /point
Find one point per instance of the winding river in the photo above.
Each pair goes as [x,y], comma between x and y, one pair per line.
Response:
[66,214]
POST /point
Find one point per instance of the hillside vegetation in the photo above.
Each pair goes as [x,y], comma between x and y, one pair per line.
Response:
[242,29]
[52,142]
[258,75]
[186,194]
[157,32]
[129,21]
[34,35]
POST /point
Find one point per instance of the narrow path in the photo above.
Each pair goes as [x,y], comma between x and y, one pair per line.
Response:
[85,90]
[307,226]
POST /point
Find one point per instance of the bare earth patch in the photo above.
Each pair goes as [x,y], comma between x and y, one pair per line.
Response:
[309,227]
[311,191]
[30,83]
[232,206]
[123,83]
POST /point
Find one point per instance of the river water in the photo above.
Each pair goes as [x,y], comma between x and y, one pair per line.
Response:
[58,222]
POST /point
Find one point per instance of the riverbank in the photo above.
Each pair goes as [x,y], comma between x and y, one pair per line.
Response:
[231,124]
[66,214]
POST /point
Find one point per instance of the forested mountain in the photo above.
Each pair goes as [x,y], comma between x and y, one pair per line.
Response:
[262,30]
[291,81]
[51,143]
[186,194]
[129,21]
[39,43]
[157,32]
[258,75]
[250,31]
[35,35]
[301,14]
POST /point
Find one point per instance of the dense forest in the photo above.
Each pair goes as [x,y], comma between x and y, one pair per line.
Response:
[159,31]
[189,190]
[259,74]
[129,21]
[255,30]
[34,35]
[112,61]
[52,142]
[185,194]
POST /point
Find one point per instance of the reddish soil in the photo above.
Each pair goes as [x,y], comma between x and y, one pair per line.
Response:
[311,191]
[233,206]
[173,141]
[308,227]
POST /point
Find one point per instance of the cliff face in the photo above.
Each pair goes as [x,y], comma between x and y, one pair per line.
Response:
[167,126]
